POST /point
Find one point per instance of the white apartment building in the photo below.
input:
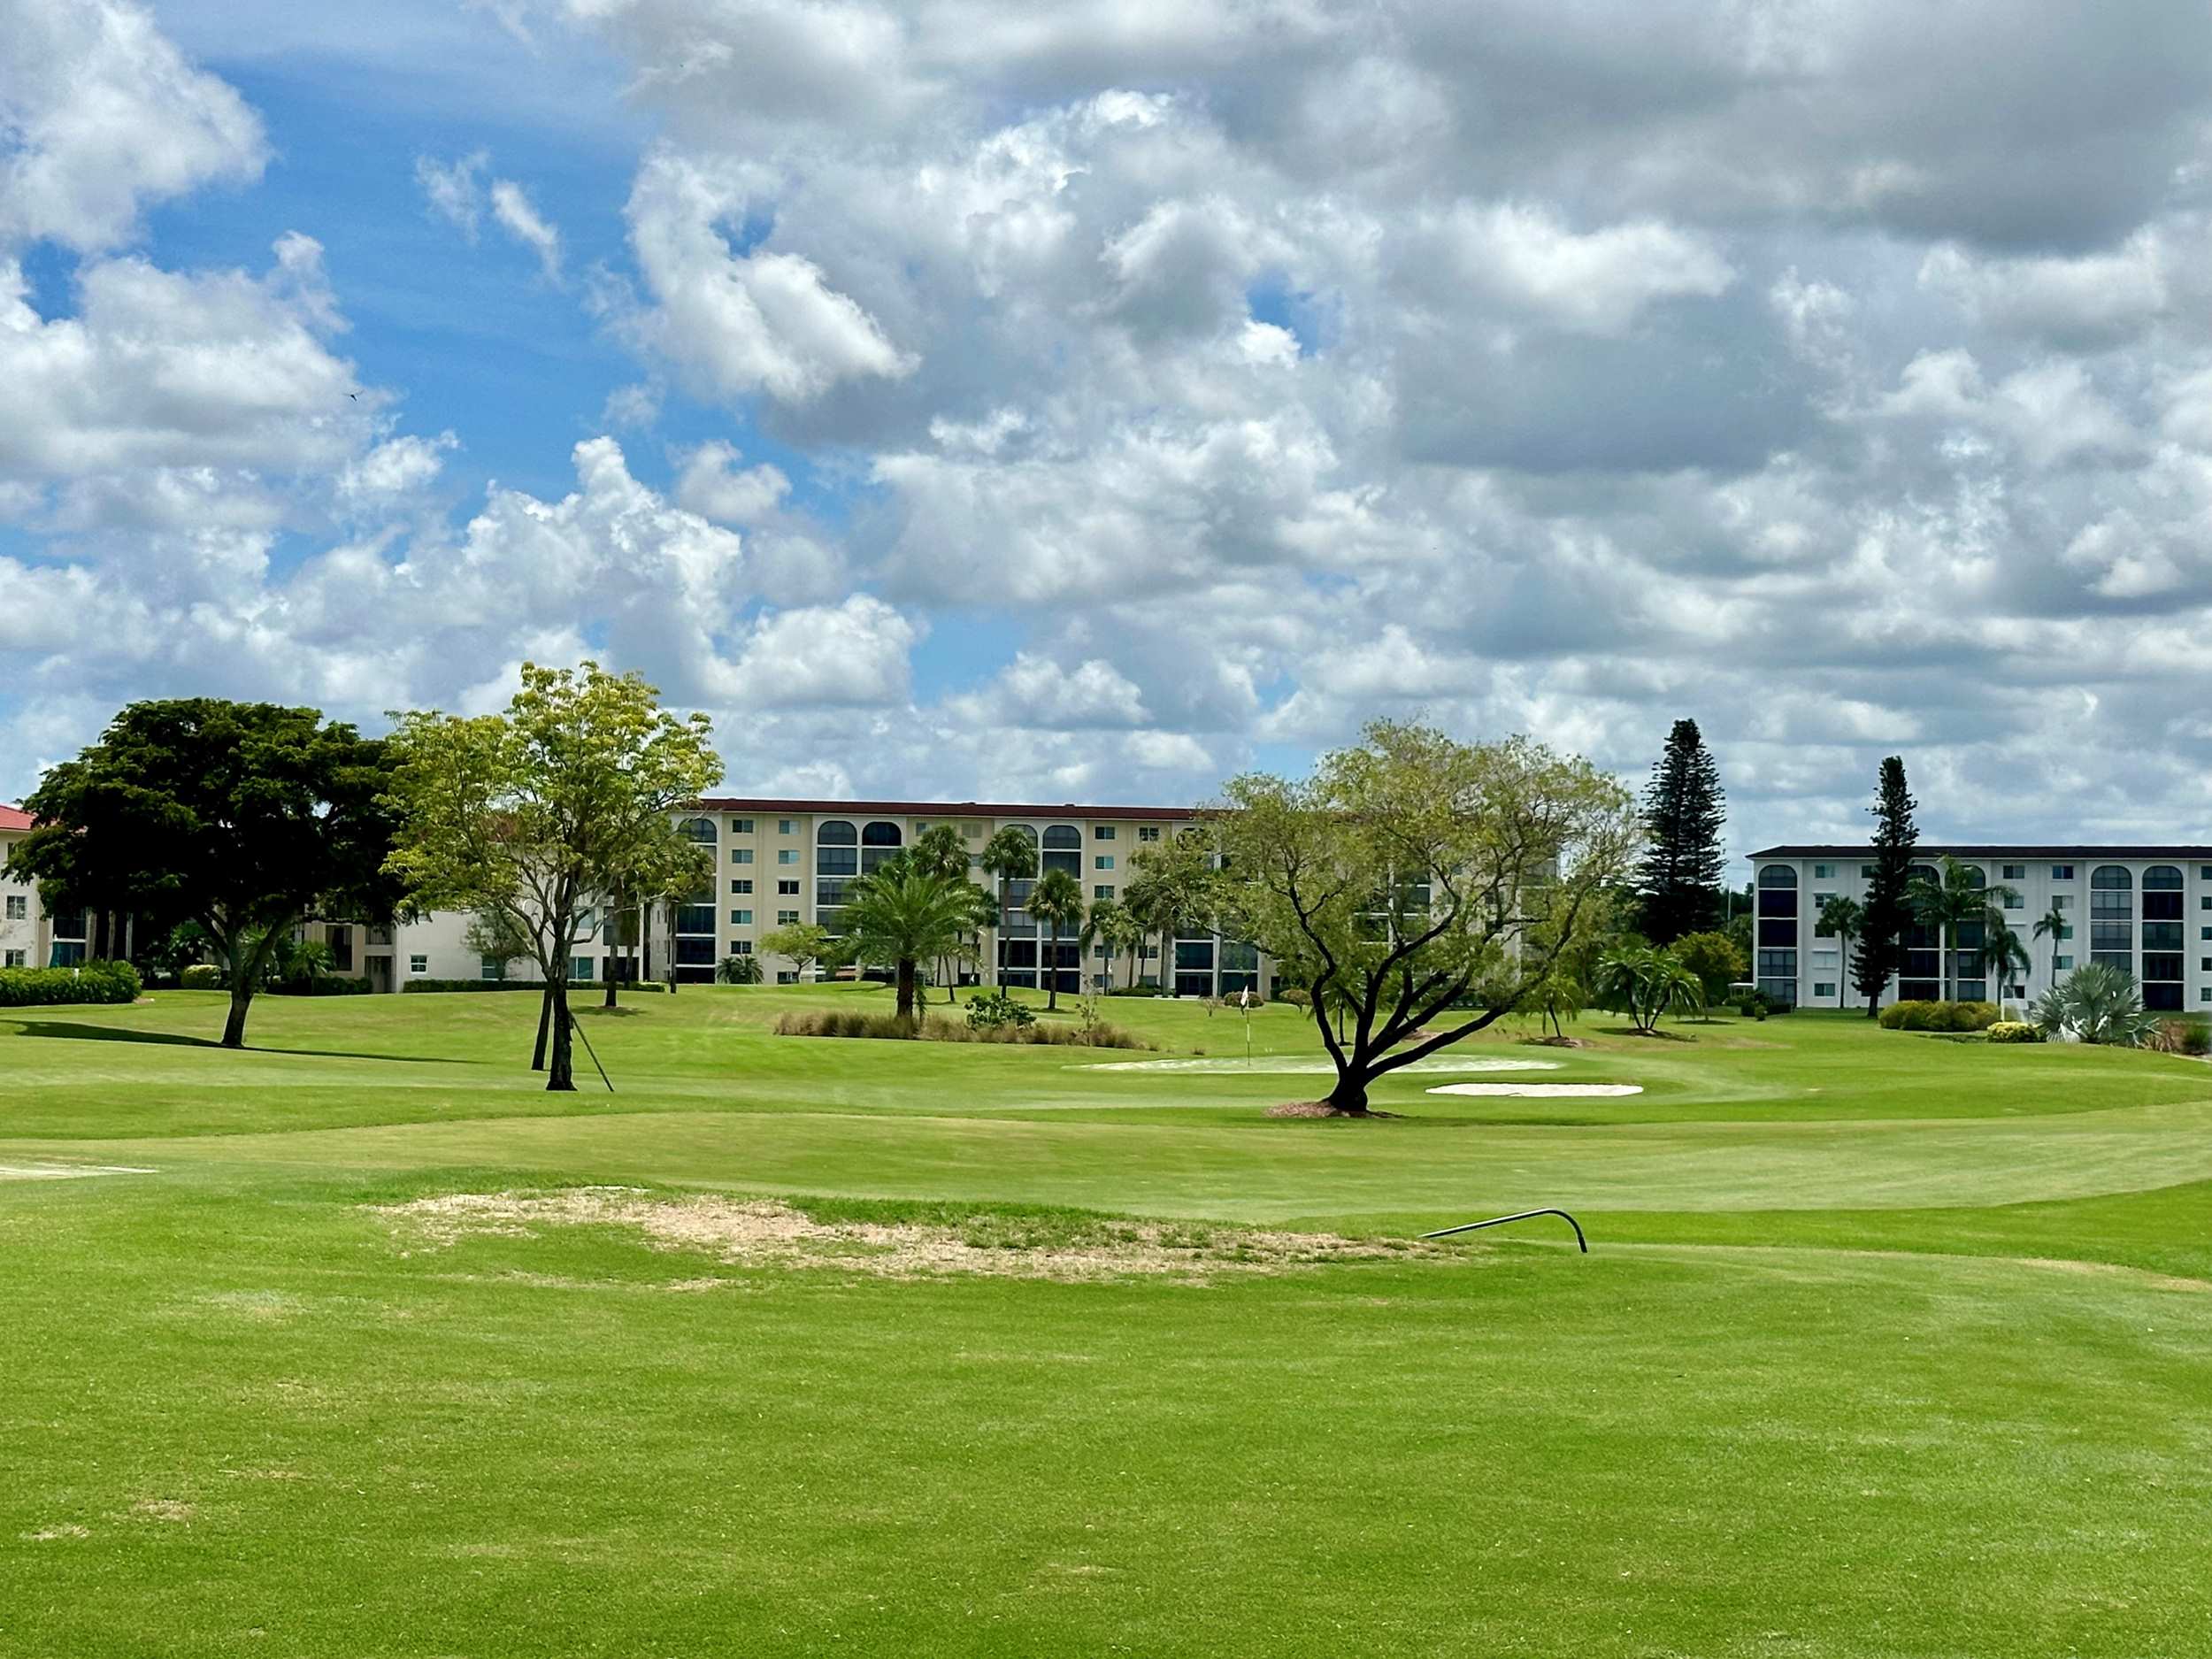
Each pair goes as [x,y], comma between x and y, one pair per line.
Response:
[2146,909]
[25,936]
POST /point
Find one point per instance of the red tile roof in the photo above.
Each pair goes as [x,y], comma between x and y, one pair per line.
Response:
[13,818]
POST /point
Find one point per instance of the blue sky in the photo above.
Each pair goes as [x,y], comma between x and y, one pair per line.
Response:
[971,398]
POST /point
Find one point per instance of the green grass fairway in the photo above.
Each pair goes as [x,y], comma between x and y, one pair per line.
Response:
[1888,1347]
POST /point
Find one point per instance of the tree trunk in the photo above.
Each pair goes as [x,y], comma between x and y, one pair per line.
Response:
[1052,972]
[241,999]
[1349,1096]
[560,1075]
[906,988]
[545,1026]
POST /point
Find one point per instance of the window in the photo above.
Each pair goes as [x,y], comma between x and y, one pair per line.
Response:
[740,946]
[740,918]
[698,829]
[741,827]
[740,855]
[1102,832]
[879,841]
[742,889]
[785,919]
[786,889]
[2203,903]
[783,826]
[1103,891]
[65,953]
[579,969]
[2062,901]
[15,960]
[19,907]
[2015,872]
[1820,899]
[1104,861]
[787,976]
[418,964]
[2060,964]
[493,968]
[2204,872]
[1148,831]
[786,855]
[1824,872]
[1823,988]
[2061,872]
[1063,849]
[1866,872]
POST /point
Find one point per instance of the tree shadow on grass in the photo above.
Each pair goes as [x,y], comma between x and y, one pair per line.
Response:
[123,1033]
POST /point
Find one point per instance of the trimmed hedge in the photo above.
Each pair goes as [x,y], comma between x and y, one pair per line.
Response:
[91,982]
[936,1028]
[2014,1031]
[1921,1016]
[574,986]
[200,976]
[325,987]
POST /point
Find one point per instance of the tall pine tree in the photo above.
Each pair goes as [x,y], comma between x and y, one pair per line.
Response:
[1881,948]
[1678,887]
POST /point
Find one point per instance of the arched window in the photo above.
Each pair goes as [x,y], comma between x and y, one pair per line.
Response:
[836,850]
[879,840]
[2112,917]
[698,829]
[1063,849]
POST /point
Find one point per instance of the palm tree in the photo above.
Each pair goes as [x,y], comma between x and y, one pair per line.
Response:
[1644,982]
[1011,855]
[735,970]
[1058,900]
[1151,906]
[1116,927]
[1845,918]
[939,850]
[2096,1004]
[2001,952]
[2052,925]
[1949,902]
[905,916]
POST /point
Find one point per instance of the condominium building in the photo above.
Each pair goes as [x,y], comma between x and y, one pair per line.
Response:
[783,861]
[2146,909]
[27,934]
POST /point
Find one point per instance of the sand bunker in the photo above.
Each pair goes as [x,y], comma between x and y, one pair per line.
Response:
[1542,1091]
[65,1171]
[1278,1066]
[762,1233]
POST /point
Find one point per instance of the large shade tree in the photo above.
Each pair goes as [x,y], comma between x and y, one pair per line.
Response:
[533,814]
[245,818]
[1421,887]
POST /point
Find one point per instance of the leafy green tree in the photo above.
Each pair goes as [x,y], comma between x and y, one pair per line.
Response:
[1714,959]
[1679,883]
[806,943]
[1644,982]
[738,969]
[905,916]
[1421,887]
[2052,924]
[1057,902]
[1175,891]
[941,850]
[1842,920]
[1114,925]
[243,817]
[530,814]
[1888,906]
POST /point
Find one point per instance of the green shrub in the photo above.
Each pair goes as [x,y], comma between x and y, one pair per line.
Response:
[838,1022]
[1916,1015]
[202,976]
[474,984]
[105,982]
[2180,1036]
[987,1010]
[2014,1031]
[327,985]
[1296,995]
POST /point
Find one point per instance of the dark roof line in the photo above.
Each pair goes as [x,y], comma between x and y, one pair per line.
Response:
[944,808]
[1987,849]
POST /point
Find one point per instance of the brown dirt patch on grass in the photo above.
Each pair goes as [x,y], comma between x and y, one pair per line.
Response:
[764,1233]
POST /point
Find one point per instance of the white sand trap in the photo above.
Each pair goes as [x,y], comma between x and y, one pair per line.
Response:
[65,1171]
[1542,1091]
[1276,1065]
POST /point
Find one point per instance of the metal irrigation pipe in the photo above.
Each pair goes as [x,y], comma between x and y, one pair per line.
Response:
[1522,1214]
